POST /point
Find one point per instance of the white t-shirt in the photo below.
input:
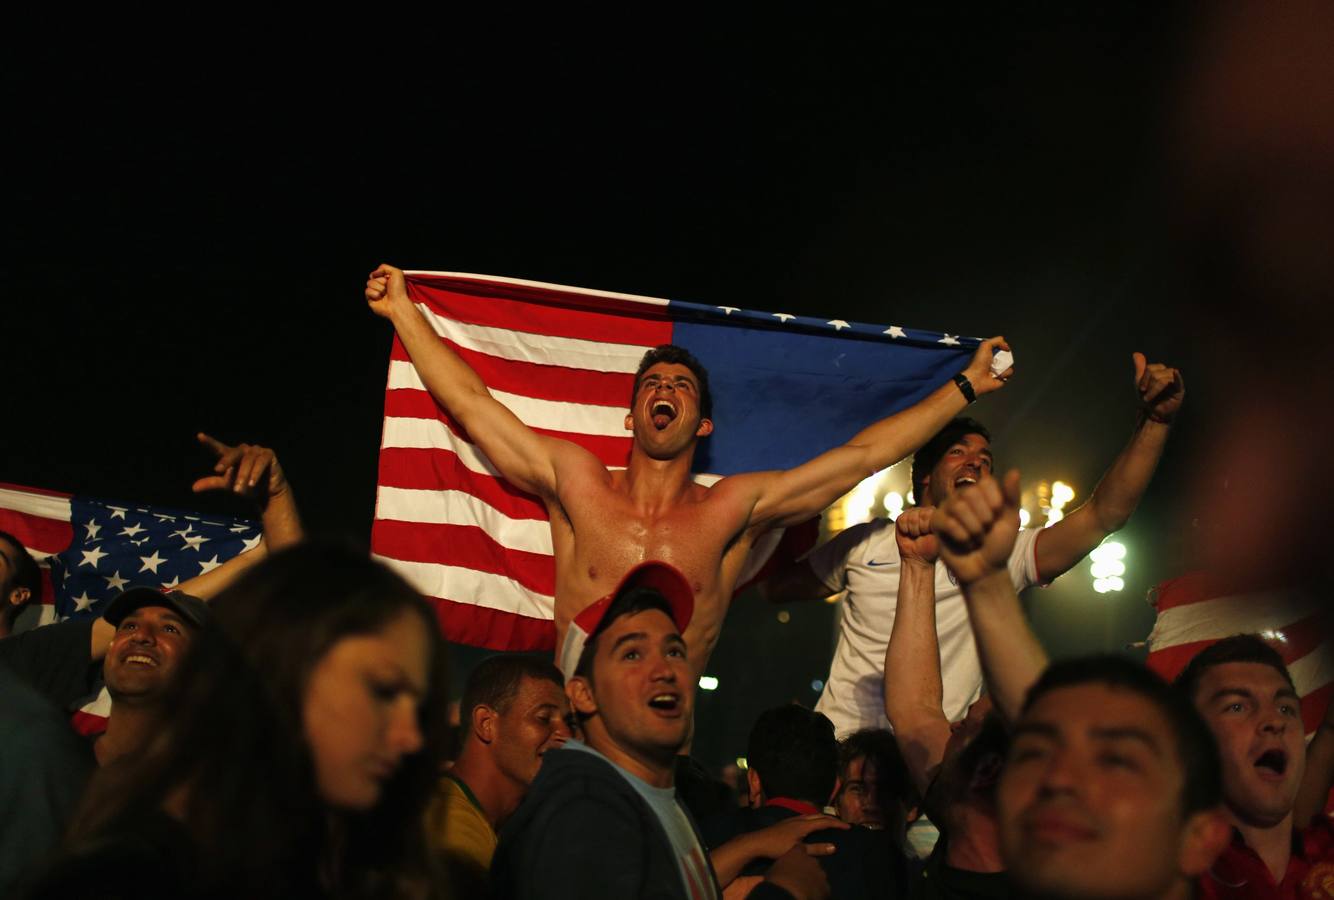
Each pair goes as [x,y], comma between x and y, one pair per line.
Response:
[864,561]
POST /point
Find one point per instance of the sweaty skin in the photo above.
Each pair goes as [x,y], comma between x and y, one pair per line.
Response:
[605,522]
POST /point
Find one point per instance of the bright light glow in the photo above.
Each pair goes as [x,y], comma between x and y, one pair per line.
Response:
[1274,636]
[1024,518]
[784,616]
[893,504]
[1054,515]
[708,683]
[858,504]
[1107,568]
[1108,551]
[741,763]
[817,685]
[1103,585]
[911,500]
[1061,494]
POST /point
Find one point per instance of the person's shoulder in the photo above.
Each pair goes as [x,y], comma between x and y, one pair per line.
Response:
[569,783]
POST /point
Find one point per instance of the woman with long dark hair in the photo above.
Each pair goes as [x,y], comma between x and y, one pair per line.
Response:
[297,747]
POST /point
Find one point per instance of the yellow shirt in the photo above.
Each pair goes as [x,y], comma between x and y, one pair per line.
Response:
[460,831]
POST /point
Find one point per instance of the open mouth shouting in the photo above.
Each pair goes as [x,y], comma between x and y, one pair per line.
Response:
[662,413]
[666,704]
[141,659]
[1272,764]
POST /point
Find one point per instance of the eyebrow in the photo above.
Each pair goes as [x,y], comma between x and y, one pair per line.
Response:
[1231,692]
[1105,733]
[632,636]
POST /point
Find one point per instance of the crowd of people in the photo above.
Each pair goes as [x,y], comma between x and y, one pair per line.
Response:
[279,727]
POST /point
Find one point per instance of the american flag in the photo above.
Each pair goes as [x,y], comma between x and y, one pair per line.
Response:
[563,359]
[90,550]
[1194,611]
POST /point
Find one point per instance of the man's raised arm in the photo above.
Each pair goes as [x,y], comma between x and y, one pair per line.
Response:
[526,458]
[977,527]
[1161,390]
[250,471]
[914,693]
[787,498]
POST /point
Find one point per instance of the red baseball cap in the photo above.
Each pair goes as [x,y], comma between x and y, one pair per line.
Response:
[662,577]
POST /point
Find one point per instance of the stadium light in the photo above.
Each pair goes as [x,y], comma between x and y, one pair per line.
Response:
[1107,566]
[708,683]
[1024,518]
[894,504]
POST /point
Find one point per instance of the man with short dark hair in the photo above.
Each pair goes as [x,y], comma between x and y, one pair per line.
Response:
[512,712]
[20,581]
[864,560]
[873,786]
[792,758]
[1246,695]
[601,819]
[1112,787]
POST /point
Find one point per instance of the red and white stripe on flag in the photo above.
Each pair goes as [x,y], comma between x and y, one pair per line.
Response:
[1194,611]
[444,517]
[40,519]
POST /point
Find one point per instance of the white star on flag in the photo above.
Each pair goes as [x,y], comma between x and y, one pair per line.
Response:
[251,543]
[82,602]
[151,562]
[163,517]
[187,530]
[949,340]
[838,324]
[895,331]
[239,529]
[93,529]
[118,512]
[173,584]
[728,310]
[193,541]
[132,530]
[209,565]
[783,317]
[91,557]
[115,582]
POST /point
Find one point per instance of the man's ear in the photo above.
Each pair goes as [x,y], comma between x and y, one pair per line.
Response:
[755,788]
[1203,838]
[581,696]
[484,723]
[629,422]
[705,428]
[19,596]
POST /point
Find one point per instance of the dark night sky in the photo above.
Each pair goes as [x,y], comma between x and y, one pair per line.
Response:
[188,236]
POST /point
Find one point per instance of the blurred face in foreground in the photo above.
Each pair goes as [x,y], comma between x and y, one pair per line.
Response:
[361,710]
[1090,800]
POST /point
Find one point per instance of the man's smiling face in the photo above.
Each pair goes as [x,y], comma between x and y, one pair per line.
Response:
[1090,798]
[144,652]
[964,463]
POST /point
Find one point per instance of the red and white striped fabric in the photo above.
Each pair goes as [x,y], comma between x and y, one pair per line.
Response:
[1194,612]
[563,360]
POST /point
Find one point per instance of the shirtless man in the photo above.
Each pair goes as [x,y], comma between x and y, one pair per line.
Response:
[605,522]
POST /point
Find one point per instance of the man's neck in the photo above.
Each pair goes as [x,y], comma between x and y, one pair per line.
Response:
[655,483]
[497,794]
[658,772]
[1273,844]
[126,726]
